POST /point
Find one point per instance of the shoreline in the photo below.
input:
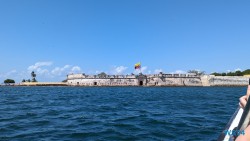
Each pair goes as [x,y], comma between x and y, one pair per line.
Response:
[161,80]
[117,86]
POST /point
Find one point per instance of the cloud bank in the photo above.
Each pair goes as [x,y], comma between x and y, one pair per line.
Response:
[118,70]
[46,71]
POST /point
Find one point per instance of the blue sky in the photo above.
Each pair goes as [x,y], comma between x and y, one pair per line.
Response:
[57,37]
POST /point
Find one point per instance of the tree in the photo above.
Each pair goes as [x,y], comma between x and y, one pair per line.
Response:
[238,73]
[230,74]
[33,80]
[28,80]
[23,80]
[223,74]
[33,75]
[216,74]
[246,72]
[102,75]
[197,72]
[9,81]
[65,80]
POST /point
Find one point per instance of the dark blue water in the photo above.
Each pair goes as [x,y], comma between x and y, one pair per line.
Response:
[116,113]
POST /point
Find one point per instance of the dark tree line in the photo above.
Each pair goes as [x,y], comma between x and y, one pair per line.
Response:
[33,78]
[197,72]
[9,81]
[236,73]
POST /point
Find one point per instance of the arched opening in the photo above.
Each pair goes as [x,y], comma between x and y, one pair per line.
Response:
[77,83]
[141,83]
[95,83]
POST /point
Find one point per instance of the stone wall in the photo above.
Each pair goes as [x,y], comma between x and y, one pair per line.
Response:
[135,80]
[103,82]
[156,80]
[42,84]
[228,80]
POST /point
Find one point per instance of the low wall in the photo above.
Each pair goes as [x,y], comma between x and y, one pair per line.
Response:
[154,81]
[228,81]
[205,80]
[43,84]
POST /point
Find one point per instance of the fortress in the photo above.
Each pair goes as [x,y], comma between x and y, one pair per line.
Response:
[134,80]
[160,79]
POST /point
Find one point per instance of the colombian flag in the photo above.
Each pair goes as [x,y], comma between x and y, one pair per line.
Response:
[138,65]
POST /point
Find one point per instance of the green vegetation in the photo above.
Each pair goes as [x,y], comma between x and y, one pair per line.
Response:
[197,72]
[33,75]
[33,78]
[9,81]
[102,75]
[236,73]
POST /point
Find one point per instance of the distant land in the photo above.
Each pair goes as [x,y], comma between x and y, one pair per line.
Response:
[192,78]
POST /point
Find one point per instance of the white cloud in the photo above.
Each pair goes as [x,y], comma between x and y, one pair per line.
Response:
[143,69]
[97,72]
[13,74]
[179,72]
[9,74]
[44,70]
[38,67]
[158,71]
[75,69]
[56,71]
[238,69]
[119,70]
[66,67]
[59,71]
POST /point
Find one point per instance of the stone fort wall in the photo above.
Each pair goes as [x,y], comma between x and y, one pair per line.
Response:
[134,80]
[227,80]
[155,80]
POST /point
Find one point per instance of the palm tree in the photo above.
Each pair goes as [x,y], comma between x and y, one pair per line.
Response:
[33,75]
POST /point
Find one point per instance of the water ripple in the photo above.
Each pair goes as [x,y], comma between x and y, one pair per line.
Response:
[117,113]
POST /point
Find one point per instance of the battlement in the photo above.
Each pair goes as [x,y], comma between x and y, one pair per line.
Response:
[160,79]
[84,76]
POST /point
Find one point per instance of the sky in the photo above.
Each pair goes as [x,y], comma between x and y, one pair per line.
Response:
[59,37]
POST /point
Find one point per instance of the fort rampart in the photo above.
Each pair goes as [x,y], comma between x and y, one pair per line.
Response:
[155,80]
[146,80]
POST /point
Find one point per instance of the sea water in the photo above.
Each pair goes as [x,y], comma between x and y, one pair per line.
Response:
[116,113]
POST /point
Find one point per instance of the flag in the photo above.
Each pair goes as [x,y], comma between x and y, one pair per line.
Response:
[138,65]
